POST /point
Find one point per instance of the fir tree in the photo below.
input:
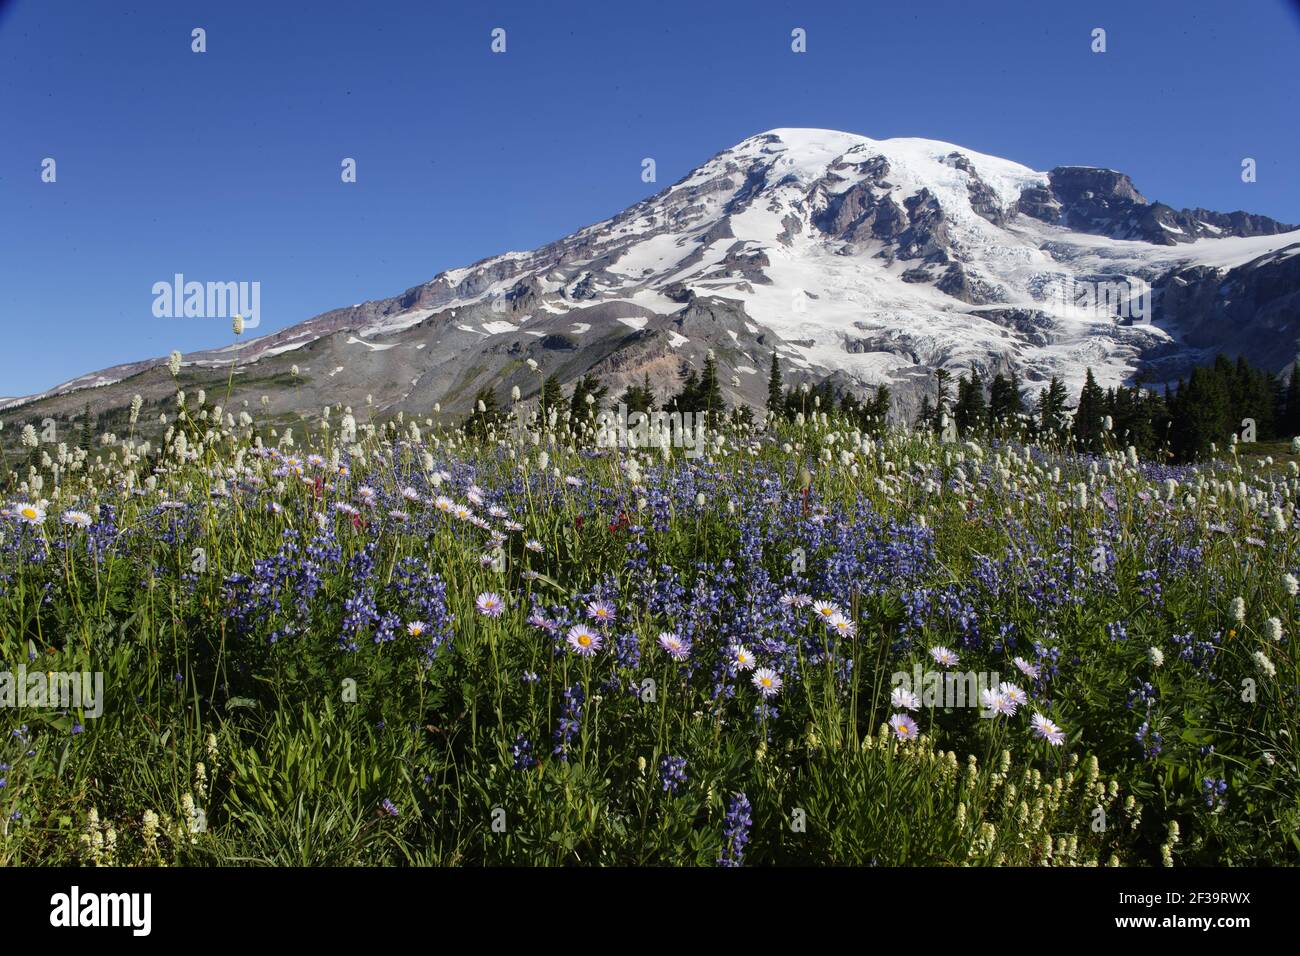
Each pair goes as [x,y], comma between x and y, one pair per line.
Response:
[1006,404]
[943,401]
[1290,413]
[971,411]
[687,397]
[1088,416]
[775,388]
[1051,409]
[586,386]
[486,413]
[638,398]
[709,396]
[85,429]
[925,417]
[552,395]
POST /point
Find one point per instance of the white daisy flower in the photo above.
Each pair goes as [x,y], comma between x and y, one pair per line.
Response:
[767,681]
[1013,693]
[826,609]
[904,699]
[943,656]
[841,625]
[742,658]
[1047,730]
[1026,668]
[28,513]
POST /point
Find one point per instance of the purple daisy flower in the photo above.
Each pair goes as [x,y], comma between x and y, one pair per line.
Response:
[584,641]
[490,604]
[904,727]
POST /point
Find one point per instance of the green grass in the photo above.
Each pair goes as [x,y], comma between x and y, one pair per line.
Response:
[260,740]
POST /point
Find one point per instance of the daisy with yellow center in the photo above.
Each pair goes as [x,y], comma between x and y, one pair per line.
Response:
[601,611]
[78,519]
[904,727]
[584,641]
[943,656]
[841,625]
[825,609]
[29,513]
[767,681]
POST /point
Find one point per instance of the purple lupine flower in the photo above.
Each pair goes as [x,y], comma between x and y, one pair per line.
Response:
[570,721]
[736,832]
[522,749]
[672,773]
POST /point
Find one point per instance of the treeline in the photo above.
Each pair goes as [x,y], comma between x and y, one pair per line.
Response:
[699,392]
[1184,423]
[790,403]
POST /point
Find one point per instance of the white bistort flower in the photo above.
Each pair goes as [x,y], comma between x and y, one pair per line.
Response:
[1264,664]
[1238,610]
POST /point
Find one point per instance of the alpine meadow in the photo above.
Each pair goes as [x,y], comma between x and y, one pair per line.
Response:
[518,641]
[444,443]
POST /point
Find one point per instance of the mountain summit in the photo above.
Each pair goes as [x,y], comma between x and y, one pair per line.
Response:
[870,261]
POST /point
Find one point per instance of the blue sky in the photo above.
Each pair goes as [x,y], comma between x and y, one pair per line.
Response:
[225,165]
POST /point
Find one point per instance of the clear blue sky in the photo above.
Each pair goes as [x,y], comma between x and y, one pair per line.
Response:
[225,165]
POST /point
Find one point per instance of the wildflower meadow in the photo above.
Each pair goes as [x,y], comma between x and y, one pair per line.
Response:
[353,640]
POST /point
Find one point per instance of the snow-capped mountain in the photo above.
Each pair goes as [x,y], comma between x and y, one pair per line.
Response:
[873,261]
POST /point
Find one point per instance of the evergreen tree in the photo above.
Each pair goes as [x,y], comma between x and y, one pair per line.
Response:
[84,429]
[552,395]
[775,388]
[796,401]
[1201,413]
[1006,404]
[638,398]
[925,417]
[1051,410]
[876,412]
[943,401]
[1152,425]
[586,386]
[486,413]
[1088,416]
[1290,413]
[971,411]
[709,395]
[687,397]
[1131,414]
[823,396]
